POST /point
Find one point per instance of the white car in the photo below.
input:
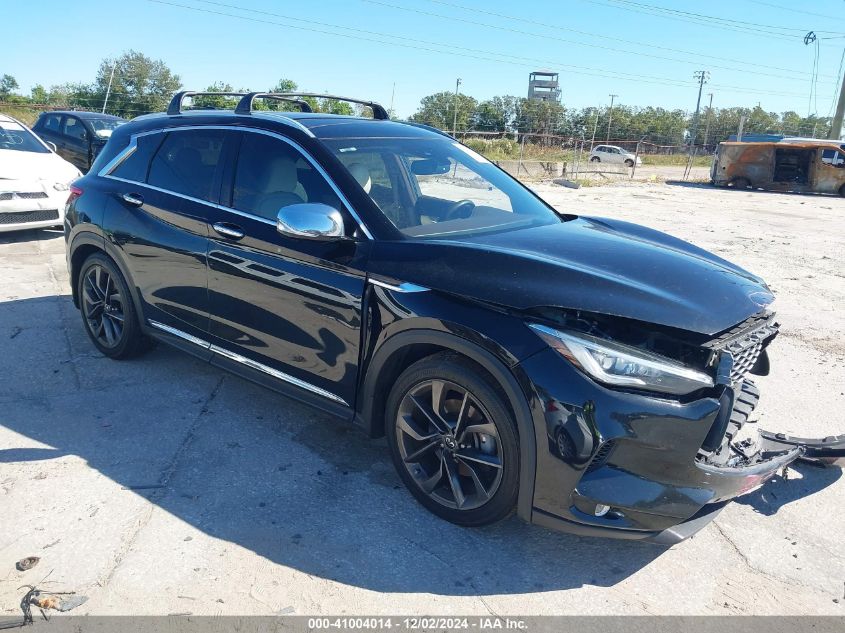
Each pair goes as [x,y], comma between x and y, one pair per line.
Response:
[34,180]
[613,154]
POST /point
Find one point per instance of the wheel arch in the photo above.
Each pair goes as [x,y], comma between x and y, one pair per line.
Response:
[407,347]
[82,247]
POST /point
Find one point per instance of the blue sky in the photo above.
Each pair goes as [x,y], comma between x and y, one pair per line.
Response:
[632,48]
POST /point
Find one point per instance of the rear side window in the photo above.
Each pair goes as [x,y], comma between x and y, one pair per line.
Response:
[187,161]
[51,123]
[136,166]
[272,174]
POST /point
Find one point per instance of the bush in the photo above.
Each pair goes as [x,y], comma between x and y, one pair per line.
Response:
[493,148]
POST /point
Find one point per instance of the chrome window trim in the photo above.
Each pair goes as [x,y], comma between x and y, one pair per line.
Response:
[248,362]
[106,172]
[402,287]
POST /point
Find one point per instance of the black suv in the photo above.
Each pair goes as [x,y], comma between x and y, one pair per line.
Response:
[588,373]
[77,136]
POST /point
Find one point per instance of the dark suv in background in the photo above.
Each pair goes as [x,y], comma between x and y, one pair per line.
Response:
[591,374]
[77,136]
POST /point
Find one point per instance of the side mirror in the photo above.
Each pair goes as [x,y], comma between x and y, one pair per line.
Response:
[310,220]
[52,145]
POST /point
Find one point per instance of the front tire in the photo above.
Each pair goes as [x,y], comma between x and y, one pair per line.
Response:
[595,159]
[108,312]
[453,440]
[629,163]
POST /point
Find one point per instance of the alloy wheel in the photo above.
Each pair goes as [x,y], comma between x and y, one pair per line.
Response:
[103,306]
[449,444]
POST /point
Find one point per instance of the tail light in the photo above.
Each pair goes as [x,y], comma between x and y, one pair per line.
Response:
[75,192]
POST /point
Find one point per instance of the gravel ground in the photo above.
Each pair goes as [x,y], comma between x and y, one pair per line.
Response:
[163,486]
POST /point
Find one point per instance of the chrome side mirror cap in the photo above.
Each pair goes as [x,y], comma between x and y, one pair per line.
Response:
[310,220]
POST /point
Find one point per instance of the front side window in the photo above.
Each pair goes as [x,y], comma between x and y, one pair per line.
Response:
[16,137]
[187,161]
[438,187]
[74,128]
[833,157]
[272,174]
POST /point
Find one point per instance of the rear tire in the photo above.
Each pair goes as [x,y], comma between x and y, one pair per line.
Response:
[453,440]
[108,312]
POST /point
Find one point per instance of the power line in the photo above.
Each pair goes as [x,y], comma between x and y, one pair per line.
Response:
[476,53]
[802,12]
[684,16]
[559,27]
[593,45]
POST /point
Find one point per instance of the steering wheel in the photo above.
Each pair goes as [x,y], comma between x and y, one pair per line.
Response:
[460,209]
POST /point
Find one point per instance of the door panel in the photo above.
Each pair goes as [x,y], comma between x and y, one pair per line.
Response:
[164,247]
[174,180]
[290,304]
[74,142]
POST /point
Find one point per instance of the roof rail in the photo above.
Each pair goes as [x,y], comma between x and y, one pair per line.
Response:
[175,106]
[245,105]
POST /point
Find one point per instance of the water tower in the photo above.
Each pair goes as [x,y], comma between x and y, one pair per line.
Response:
[543,86]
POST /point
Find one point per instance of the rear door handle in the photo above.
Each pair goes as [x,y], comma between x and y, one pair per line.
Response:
[135,199]
[228,230]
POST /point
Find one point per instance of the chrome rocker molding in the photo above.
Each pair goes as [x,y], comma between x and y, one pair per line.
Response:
[248,362]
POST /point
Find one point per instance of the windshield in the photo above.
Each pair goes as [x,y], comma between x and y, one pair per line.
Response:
[436,187]
[104,127]
[14,136]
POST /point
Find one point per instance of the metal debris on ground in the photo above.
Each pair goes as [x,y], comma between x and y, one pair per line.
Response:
[27,563]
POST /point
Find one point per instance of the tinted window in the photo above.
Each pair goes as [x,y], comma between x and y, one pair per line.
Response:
[187,161]
[271,174]
[51,123]
[74,128]
[136,166]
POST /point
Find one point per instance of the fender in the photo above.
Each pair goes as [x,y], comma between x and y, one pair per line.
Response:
[495,366]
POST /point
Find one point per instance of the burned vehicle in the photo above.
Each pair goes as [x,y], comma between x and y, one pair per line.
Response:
[589,374]
[806,166]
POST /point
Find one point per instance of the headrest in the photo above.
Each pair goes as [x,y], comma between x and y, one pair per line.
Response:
[362,175]
[279,174]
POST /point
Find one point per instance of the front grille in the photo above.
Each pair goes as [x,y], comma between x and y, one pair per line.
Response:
[745,343]
[29,216]
[22,195]
[601,456]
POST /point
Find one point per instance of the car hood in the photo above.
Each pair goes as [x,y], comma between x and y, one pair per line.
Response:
[35,166]
[590,264]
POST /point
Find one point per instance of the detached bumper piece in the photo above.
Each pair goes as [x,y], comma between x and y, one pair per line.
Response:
[829,451]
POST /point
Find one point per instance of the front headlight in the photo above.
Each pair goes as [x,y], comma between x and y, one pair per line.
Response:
[60,186]
[620,365]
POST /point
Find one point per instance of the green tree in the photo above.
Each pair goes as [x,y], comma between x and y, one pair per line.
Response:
[496,114]
[217,102]
[438,110]
[39,94]
[8,85]
[140,84]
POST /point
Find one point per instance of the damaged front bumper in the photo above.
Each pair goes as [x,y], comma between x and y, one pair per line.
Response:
[635,466]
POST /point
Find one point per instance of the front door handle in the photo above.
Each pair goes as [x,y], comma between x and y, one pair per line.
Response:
[135,199]
[228,230]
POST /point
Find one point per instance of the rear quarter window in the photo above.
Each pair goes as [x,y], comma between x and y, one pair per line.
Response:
[136,166]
